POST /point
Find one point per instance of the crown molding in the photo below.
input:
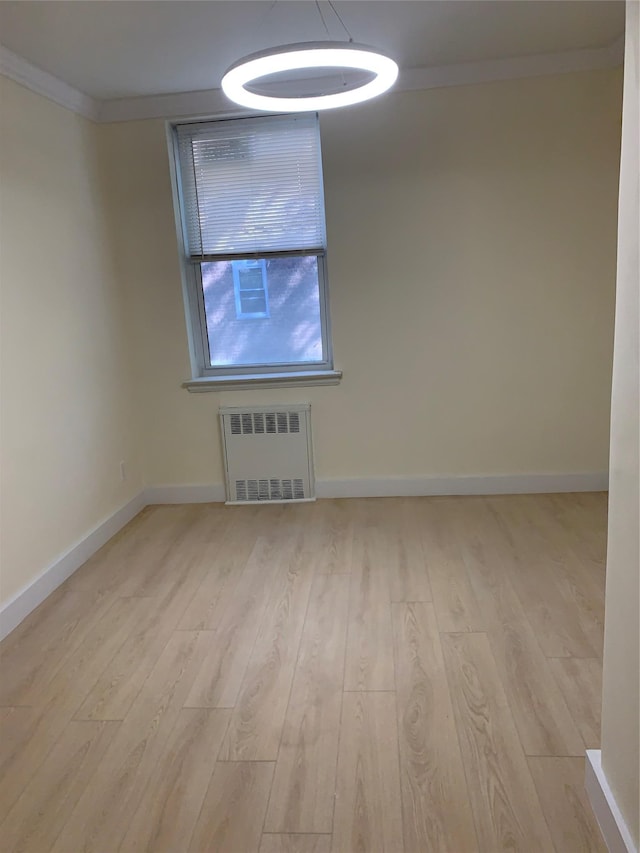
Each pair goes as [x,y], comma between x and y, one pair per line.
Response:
[180,104]
[213,101]
[518,67]
[20,71]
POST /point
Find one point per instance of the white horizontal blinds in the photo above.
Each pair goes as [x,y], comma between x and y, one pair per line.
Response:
[252,185]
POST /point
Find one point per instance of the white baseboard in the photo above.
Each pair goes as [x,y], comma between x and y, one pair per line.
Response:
[28,598]
[377,487]
[199,494]
[610,820]
[507,484]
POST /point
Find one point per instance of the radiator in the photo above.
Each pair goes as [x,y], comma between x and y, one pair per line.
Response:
[267,453]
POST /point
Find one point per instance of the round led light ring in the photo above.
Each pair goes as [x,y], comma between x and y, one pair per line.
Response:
[304,56]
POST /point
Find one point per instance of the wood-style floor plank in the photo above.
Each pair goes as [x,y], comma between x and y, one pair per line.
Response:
[539,710]
[102,814]
[36,819]
[368,812]
[453,598]
[233,810]
[272,843]
[435,802]
[404,555]
[337,521]
[16,726]
[550,610]
[560,785]
[121,681]
[32,654]
[302,795]
[580,522]
[61,697]
[238,616]
[369,657]
[581,577]
[173,797]
[255,729]
[109,568]
[231,550]
[143,566]
[503,797]
[580,680]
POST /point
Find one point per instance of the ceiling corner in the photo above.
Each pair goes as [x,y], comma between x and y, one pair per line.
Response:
[23,72]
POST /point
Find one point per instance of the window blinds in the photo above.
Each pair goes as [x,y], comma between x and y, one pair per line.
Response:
[251,186]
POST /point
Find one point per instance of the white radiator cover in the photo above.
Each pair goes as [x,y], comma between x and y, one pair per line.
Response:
[267,453]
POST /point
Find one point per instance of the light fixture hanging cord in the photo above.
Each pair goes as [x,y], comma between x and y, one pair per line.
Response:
[344,26]
[326,28]
[262,20]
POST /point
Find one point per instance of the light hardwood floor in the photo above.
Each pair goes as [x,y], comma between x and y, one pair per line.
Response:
[401,674]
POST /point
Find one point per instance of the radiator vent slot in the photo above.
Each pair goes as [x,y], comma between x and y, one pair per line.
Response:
[259,423]
[270,490]
[268,453]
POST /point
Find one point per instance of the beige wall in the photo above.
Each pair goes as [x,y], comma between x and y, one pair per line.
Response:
[471,261]
[66,391]
[471,270]
[620,703]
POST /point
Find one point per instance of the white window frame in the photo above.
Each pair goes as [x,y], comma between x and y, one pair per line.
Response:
[205,377]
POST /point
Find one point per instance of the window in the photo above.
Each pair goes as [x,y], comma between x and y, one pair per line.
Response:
[252,218]
[250,288]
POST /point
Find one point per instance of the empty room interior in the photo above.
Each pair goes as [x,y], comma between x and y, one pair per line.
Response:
[319,426]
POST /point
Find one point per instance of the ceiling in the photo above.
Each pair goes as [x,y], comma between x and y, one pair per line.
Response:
[130,49]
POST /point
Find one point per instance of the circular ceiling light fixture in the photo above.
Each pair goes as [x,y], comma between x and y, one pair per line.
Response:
[307,56]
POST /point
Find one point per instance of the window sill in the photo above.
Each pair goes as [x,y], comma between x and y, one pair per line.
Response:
[303,378]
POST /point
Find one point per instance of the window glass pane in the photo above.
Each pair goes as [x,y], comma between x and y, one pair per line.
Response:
[250,278]
[287,328]
[253,304]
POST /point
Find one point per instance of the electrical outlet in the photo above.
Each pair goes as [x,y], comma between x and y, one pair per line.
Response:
[123,472]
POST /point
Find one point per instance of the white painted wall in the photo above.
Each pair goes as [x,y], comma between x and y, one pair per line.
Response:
[472,269]
[67,396]
[620,702]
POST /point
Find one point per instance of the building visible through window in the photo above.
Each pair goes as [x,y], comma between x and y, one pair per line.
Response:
[250,287]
